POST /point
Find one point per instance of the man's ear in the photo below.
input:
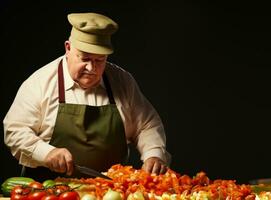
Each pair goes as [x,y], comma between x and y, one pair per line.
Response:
[67,46]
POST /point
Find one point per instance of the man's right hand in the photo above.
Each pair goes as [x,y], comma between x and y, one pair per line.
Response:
[60,160]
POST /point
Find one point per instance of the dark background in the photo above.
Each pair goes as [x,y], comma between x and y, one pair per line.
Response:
[204,66]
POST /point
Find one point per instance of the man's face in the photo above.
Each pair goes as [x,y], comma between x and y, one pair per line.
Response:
[85,68]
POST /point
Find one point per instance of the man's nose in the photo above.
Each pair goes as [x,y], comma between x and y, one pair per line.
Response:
[90,66]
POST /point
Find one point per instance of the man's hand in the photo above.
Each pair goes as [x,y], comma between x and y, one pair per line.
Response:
[60,160]
[154,165]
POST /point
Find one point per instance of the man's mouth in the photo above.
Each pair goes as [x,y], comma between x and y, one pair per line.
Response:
[88,73]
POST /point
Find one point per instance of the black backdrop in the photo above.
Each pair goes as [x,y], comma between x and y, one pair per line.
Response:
[204,66]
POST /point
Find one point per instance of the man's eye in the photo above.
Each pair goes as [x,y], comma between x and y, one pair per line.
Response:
[100,60]
[85,59]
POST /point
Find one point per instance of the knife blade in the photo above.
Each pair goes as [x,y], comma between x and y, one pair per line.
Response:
[90,172]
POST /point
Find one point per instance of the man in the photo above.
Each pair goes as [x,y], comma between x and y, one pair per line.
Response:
[81,109]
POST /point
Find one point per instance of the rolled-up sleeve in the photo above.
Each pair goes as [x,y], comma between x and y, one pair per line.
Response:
[22,126]
[148,130]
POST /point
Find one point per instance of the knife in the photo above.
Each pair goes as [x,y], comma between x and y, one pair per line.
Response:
[260,181]
[90,172]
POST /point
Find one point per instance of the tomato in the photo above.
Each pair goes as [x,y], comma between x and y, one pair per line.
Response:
[18,197]
[50,190]
[61,188]
[50,197]
[36,185]
[19,189]
[69,195]
[36,195]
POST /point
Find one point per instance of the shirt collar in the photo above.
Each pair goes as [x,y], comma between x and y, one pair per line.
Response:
[68,81]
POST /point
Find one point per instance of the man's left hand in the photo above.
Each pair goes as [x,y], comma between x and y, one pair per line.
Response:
[154,165]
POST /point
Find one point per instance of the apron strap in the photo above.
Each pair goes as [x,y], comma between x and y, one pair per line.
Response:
[61,90]
[108,89]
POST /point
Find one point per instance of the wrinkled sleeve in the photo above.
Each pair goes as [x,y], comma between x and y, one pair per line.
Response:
[149,134]
[22,124]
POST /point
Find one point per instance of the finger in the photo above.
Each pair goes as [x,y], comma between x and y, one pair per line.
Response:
[58,163]
[50,166]
[163,169]
[147,166]
[156,167]
[51,159]
[62,165]
[70,169]
[69,164]
[61,160]
[56,166]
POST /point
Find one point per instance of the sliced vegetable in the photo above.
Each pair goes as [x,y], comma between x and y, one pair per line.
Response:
[74,185]
[173,197]
[48,183]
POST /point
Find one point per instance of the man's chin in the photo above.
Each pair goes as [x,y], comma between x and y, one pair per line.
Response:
[87,86]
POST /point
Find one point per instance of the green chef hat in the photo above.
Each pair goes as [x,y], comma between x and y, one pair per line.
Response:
[91,32]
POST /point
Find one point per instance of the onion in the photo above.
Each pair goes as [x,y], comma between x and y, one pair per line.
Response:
[88,197]
[136,196]
[173,197]
[112,195]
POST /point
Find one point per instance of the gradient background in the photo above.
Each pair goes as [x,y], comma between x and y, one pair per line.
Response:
[204,66]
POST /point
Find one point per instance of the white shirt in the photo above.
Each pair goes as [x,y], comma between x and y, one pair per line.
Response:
[30,121]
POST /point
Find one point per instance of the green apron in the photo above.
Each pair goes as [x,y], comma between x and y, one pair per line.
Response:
[94,135]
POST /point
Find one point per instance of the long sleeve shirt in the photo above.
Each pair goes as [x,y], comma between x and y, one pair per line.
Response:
[30,121]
